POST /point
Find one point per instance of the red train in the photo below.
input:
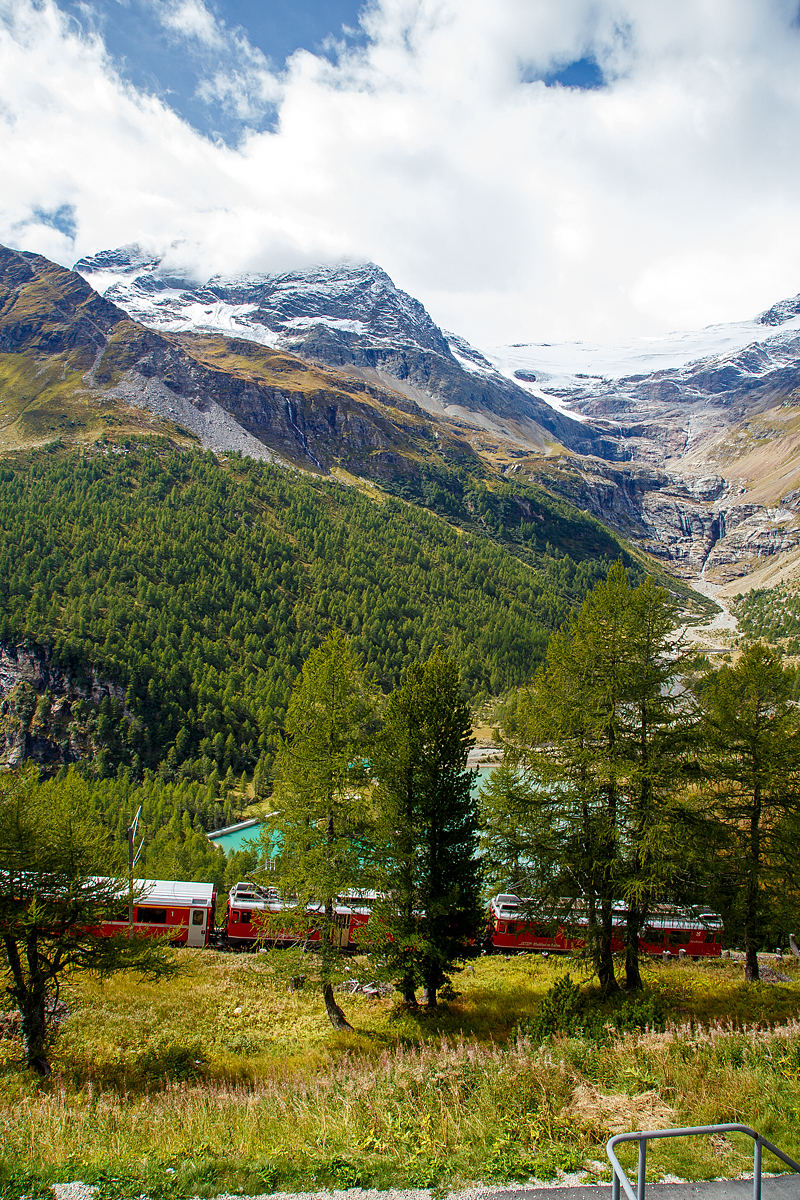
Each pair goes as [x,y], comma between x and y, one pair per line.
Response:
[185,912]
[669,930]
[167,907]
[249,908]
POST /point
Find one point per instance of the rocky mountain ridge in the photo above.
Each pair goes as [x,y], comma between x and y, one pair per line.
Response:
[706,475]
[73,363]
[349,316]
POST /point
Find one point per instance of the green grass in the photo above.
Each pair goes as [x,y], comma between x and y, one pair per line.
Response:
[223,1080]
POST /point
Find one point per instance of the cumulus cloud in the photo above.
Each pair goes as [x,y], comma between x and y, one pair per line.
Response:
[516,211]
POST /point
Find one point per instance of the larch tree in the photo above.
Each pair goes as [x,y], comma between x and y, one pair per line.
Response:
[658,729]
[426,870]
[320,820]
[600,744]
[751,741]
[53,900]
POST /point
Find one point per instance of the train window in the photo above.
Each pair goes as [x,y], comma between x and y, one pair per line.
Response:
[245,918]
[709,936]
[653,936]
[511,927]
[501,926]
[153,916]
[678,937]
[197,917]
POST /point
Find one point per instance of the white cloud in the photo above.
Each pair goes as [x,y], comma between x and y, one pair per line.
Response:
[191,19]
[515,211]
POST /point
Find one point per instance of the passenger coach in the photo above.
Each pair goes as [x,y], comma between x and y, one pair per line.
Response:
[514,926]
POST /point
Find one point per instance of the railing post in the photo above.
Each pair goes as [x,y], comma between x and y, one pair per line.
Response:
[643,1170]
[757,1168]
[614,1184]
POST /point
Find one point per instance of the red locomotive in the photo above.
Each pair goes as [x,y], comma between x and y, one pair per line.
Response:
[167,907]
[669,930]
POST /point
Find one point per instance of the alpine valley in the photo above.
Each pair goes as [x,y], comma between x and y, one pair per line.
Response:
[687,445]
[201,478]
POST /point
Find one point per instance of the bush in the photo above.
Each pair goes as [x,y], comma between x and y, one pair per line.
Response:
[566,1011]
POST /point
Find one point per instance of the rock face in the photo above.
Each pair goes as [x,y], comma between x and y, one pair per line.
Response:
[45,713]
[703,452]
[702,525]
[233,395]
[349,316]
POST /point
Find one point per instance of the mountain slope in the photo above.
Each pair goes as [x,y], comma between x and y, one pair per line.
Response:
[707,473]
[156,604]
[347,316]
[73,365]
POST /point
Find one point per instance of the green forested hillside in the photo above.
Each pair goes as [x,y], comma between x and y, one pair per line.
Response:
[200,587]
[770,615]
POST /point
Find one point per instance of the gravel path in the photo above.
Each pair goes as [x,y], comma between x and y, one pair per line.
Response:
[82,1191]
[566,1187]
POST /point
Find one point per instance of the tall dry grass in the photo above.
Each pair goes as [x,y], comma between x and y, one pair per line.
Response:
[223,1080]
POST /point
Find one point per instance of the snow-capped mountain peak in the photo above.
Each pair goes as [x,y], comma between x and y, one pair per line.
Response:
[347,298]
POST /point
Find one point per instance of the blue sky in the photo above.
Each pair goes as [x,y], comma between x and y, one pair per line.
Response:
[153,57]
[532,170]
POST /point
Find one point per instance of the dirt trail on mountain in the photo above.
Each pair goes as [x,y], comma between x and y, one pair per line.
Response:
[720,633]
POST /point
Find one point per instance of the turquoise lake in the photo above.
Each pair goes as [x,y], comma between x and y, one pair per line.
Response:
[237,839]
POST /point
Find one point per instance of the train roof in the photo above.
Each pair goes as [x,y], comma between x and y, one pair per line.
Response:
[246,895]
[259,899]
[663,916]
[174,891]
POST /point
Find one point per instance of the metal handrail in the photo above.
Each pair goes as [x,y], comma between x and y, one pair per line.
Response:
[642,1137]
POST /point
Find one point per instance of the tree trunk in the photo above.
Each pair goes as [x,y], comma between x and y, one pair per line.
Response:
[33,1021]
[751,972]
[633,978]
[605,959]
[335,1015]
[31,1001]
[409,991]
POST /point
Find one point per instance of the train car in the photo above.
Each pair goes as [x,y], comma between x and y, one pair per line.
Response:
[512,929]
[361,902]
[676,931]
[183,912]
[249,907]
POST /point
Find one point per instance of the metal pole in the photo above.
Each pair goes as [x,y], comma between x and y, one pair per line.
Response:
[643,1169]
[131,863]
[757,1169]
[614,1185]
[131,836]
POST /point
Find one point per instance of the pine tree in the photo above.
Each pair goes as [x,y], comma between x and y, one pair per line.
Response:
[427,871]
[320,813]
[751,737]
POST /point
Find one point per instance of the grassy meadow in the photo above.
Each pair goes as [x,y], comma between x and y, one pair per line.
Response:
[224,1080]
